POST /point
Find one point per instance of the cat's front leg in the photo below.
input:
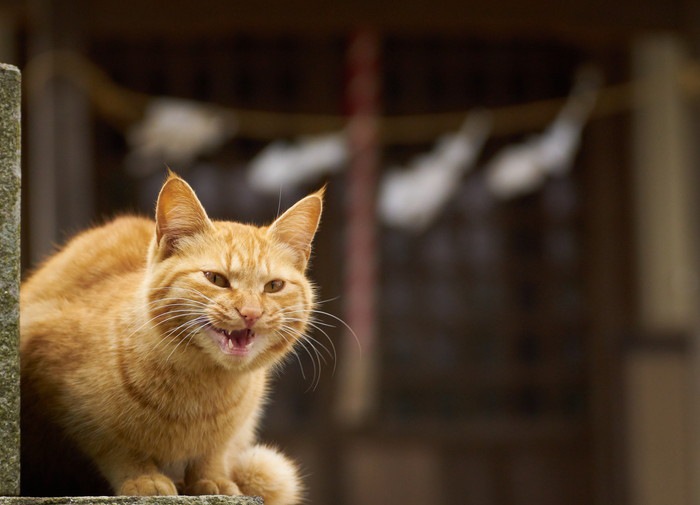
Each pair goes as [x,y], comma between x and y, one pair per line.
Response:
[208,475]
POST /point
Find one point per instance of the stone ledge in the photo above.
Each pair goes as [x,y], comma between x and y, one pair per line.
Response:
[133,500]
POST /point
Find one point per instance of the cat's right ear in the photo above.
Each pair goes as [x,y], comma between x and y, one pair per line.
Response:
[179,214]
[297,226]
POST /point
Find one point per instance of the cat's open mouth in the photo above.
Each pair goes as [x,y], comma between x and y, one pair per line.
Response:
[232,342]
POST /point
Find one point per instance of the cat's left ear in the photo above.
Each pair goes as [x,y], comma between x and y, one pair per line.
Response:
[179,214]
[297,226]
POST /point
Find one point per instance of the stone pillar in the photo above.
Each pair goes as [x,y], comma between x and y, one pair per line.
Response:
[10,176]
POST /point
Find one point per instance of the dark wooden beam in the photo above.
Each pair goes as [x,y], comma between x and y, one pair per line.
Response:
[599,19]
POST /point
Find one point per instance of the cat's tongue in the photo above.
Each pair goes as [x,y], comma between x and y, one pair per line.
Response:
[236,342]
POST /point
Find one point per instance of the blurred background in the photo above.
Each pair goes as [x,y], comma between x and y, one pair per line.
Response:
[510,226]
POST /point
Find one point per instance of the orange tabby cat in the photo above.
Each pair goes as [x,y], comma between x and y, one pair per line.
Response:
[147,347]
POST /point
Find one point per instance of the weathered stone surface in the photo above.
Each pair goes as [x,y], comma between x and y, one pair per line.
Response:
[9,278]
[134,500]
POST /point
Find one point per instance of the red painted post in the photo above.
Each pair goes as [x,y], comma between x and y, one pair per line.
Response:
[358,369]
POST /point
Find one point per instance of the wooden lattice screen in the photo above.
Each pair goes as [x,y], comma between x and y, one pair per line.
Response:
[483,313]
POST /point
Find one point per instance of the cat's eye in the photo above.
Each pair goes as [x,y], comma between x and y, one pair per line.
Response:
[217,279]
[274,286]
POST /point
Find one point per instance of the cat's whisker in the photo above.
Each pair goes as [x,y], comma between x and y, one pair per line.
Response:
[334,354]
[195,316]
[176,332]
[279,203]
[194,332]
[193,327]
[303,339]
[171,335]
[295,353]
[307,312]
[178,298]
[186,307]
[149,322]
[171,306]
[313,342]
[327,300]
[179,306]
[346,325]
[313,325]
[198,292]
[166,317]
[313,309]
[160,315]
[182,300]
[316,368]
[316,324]
[188,310]
[187,289]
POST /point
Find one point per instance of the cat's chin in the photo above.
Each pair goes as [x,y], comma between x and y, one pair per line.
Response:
[234,342]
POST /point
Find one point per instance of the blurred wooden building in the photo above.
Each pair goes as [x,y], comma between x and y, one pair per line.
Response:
[532,351]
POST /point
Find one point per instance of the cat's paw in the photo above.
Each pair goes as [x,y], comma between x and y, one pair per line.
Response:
[208,486]
[155,484]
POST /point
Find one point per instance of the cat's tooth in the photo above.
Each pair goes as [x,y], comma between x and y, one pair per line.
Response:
[230,343]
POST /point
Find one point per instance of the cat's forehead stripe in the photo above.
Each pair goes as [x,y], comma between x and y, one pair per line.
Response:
[234,261]
[244,251]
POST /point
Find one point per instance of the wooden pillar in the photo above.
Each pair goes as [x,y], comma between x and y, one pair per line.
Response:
[659,368]
[9,22]
[59,161]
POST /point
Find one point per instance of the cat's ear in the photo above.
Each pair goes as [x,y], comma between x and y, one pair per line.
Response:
[178,214]
[297,226]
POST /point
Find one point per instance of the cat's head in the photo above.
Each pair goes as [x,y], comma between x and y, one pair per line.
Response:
[232,293]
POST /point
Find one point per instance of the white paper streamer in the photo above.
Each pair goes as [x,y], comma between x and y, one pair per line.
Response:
[519,169]
[176,131]
[289,165]
[411,198]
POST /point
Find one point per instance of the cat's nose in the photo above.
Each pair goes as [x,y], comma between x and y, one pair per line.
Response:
[250,315]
